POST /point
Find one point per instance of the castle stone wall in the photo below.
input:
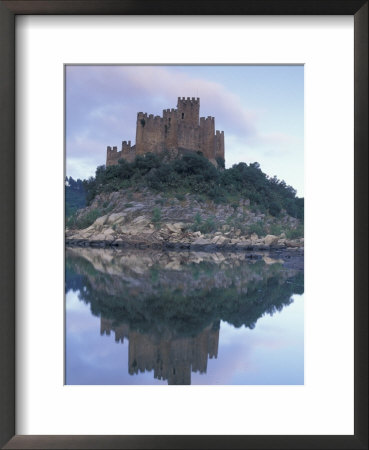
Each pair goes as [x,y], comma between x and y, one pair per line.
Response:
[189,137]
[149,134]
[112,156]
[207,126]
[170,129]
[127,152]
[178,129]
[219,144]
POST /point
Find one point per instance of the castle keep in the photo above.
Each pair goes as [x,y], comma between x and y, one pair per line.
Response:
[177,131]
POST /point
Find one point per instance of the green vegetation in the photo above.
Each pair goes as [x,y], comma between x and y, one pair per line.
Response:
[277,229]
[204,226]
[74,221]
[193,173]
[75,196]
[85,220]
[294,233]
[156,217]
[258,228]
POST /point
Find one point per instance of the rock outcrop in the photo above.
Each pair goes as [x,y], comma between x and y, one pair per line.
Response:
[144,219]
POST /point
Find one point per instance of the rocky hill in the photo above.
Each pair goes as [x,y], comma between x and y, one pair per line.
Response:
[146,218]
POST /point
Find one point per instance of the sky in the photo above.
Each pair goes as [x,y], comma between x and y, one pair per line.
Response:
[260,108]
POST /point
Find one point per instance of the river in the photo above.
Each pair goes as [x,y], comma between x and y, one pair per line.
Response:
[154,317]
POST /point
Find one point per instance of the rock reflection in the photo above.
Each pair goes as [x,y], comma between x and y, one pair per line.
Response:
[169,305]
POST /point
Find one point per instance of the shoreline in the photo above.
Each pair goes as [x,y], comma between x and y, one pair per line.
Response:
[189,246]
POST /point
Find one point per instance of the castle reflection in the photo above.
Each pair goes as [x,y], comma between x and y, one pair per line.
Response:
[171,358]
[169,306]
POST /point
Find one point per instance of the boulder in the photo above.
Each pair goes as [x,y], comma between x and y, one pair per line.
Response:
[270,239]
[222,240]
[84,234]
[175,227]
[100,220]
[74,237]
[99,237]
[254,237]
[107,232]
[293,243]
[116,218]
[140,220]
[202,241]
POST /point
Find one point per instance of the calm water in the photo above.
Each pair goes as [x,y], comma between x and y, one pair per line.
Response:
[139,317]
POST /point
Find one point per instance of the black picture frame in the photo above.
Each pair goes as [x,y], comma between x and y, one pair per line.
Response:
[8,11]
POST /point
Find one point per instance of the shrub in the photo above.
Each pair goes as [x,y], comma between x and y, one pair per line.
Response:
[274,209]
[156,217]
[208,225]
[198,220]
[275,229]
[295,233]
[220,161]
[195,174]
[257,228]
[85,220]
[204,226]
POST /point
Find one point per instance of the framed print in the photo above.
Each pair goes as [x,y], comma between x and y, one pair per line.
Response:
[80,76]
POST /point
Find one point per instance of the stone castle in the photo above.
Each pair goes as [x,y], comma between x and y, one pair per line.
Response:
[179,131]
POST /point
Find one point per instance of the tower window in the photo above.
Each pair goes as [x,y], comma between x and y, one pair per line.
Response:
[169,120]
[182,115]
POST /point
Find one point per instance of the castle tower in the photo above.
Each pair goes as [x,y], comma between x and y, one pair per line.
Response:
[170,129]
[149,134]
[219,144]
[112,156]
[188,111]
[207,126]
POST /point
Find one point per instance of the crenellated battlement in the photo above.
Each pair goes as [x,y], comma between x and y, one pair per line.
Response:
[193,99]
[207,119]
[178,129]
